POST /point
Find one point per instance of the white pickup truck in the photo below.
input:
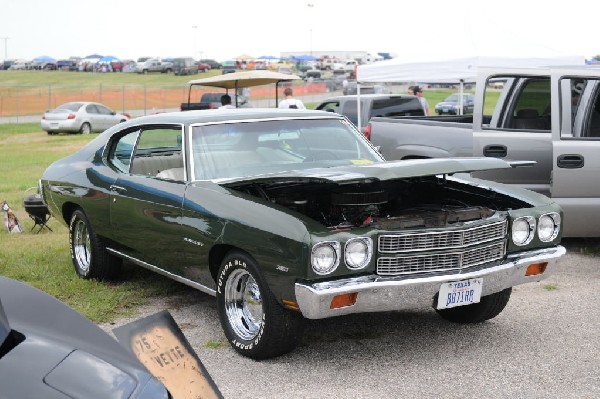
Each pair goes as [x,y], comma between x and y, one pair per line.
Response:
[547,115]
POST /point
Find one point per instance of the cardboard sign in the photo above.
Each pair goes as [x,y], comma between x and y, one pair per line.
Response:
[162,348]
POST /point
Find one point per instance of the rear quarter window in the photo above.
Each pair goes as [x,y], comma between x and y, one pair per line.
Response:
[397,106]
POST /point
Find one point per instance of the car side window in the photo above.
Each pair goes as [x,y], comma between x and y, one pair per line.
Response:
[523,104]
[350,111]
[121,151]
[331,106]
[91,109]
[158,153]
[580,121]
[103,110]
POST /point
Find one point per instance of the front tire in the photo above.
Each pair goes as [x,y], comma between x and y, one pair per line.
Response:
[255,324]
[88,253]
[489,307]
[86,128]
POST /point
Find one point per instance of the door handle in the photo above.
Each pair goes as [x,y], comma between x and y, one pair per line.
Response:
[495,151]
[570,161]
[118,189]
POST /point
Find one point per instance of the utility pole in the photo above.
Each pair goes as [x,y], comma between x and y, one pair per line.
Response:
[194,32]
[310,7]
[5,46]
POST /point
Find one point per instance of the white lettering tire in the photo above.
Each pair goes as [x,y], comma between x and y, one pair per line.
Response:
[255,324]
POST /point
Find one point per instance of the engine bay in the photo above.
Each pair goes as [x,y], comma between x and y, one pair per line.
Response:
[423,202]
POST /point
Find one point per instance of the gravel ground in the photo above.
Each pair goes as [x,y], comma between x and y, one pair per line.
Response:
[544,344]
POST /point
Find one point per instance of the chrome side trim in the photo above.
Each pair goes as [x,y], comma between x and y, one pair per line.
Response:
[382,294]
[165,273]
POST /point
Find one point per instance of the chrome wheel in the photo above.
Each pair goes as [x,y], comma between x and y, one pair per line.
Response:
[243,304]
[82,246]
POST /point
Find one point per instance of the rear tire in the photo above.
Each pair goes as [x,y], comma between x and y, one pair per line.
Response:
[88,253]
[86,128]
[489,307]
[254,322]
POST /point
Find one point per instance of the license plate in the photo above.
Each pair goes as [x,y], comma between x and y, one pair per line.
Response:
[54,125]
[460,293]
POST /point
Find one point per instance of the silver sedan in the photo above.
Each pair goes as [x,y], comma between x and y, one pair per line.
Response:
[82,117]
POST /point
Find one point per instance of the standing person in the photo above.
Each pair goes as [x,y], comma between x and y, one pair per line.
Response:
[226,102]
[419,93]
[290,101]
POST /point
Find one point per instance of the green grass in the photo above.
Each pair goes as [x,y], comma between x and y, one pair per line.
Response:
[550,287]
[216,344]
[42,260]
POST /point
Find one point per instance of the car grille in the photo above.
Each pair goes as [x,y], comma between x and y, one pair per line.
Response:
[396,243]
[446,250]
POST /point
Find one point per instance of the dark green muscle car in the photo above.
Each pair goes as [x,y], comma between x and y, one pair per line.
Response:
[291,214]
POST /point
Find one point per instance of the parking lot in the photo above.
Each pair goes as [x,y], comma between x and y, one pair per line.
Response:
[544,344]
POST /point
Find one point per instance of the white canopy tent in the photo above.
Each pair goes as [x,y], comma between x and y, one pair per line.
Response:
[453,71]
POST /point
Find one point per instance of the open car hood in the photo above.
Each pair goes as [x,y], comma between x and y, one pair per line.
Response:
[384,171]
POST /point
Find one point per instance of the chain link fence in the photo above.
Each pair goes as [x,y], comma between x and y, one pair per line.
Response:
[26,103]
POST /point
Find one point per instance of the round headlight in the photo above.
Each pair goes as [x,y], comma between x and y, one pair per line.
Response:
[325,257]
[522,230]
[548,226]
[357,252]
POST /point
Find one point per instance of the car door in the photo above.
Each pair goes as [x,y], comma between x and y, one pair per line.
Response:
[107,116]
[95,118]
[576,149]
[145,210]
[519,129]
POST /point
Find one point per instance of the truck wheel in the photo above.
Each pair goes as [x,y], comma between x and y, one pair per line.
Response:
[86,128]
[168,70]
[88,253]
[489,307]
[255,324]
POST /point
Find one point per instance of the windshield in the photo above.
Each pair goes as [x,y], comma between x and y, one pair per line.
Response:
[245,149]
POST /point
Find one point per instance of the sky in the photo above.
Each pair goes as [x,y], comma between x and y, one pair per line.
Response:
[411,30]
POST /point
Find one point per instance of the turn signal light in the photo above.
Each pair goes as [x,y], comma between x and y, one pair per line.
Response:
[290,304]
[536,268]
[341,301]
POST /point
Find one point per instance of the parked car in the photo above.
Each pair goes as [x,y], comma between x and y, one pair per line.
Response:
[229,68]
[6,64]
[311,73]
[66,65]
[49,350]
[213,64]
[203,67]
[154,65]
[291,214]
[351,88]
[184,66]
[372,105]
[213,100]
[451,105]
[20,65]
[83,117]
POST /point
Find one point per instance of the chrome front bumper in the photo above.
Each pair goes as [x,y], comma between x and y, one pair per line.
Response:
[382,294]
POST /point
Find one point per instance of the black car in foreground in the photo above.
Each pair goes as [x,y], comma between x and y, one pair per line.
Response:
[50,351]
